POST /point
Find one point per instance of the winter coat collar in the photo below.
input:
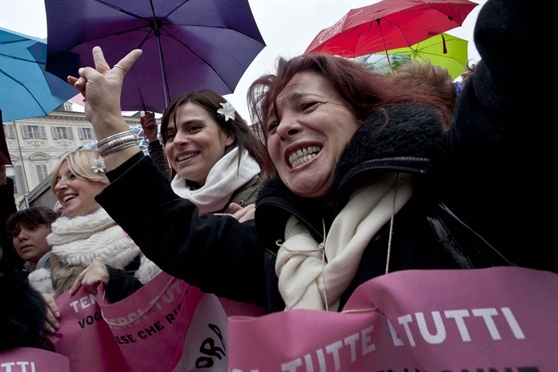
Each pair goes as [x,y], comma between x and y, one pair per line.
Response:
[402,137]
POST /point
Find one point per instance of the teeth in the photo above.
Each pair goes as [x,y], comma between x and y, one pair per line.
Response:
[68,197]
[303,155]
[184,157]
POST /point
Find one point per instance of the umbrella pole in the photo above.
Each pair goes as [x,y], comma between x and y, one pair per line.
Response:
[163,76]
[385,47]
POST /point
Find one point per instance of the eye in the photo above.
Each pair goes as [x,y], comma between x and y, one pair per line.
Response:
[272,127]
[194,128]
[32,227]
[170,136]
[15,234]
[308,105]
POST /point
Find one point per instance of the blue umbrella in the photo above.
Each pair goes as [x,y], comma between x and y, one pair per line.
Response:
[26,89]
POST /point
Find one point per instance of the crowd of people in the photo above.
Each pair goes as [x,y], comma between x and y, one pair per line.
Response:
[350,175]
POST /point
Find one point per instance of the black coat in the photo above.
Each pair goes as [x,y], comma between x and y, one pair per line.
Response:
[473,204]
[426,234]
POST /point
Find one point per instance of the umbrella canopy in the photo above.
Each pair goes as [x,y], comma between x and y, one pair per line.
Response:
[26,90]
[187,45]
[390,24]
[4,153]
[447,51]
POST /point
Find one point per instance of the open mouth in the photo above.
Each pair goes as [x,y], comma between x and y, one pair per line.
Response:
[185,157]
[68,197]
[304,155]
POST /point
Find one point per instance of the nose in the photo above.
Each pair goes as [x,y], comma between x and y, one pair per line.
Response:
[22,236]
[60,185]
[180,139]
[288,127]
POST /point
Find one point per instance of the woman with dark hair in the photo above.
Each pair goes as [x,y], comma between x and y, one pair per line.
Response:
[29,229]
[216,160]
[369,183]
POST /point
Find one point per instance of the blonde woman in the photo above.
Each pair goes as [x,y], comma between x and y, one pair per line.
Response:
[88,247]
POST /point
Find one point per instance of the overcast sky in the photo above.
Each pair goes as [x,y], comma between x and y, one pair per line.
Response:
[287,26]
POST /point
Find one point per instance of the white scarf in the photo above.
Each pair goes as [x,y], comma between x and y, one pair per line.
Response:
[223,180]
[80,240]
[306,281]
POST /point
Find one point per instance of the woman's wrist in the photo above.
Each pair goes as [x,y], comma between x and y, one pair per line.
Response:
[108,125]
[115,159]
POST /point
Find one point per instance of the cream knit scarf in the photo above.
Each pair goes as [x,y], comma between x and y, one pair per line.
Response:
[81,240]
[222,181]
[306,280]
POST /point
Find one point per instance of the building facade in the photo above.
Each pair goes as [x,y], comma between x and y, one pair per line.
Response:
[37,144]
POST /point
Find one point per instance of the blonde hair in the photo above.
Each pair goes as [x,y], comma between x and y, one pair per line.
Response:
[80,163]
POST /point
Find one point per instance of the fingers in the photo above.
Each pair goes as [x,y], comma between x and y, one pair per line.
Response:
[235,207]
[78,281]
[78,83]
[122,67]
[52,314]
[130,58]
[99,59]
[91,277]
[243,214]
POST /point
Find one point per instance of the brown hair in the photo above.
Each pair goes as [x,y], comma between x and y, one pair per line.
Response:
[432,80]
[29,217]
[469,69]
[210,101]
[363,90]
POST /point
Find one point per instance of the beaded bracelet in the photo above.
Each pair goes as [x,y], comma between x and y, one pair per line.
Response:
[104,141]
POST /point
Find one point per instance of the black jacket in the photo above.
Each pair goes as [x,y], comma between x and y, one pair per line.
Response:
[473,204]
[426,234]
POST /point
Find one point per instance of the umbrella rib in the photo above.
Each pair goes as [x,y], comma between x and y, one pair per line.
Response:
[21,59]
[223,28]
[24,87]
[200,57]
[119,9]
[175,9]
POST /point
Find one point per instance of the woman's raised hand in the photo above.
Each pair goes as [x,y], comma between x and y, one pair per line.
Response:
[101,86]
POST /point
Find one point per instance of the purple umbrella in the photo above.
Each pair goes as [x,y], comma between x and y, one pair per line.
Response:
[187,44]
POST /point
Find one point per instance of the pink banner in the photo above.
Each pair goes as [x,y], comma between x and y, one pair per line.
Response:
[26,359]
[150,326]
[497,319]
[84,337]
[166,317]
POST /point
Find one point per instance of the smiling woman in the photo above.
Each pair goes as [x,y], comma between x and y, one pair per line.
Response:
[368,184]
[88,247]
[216,159]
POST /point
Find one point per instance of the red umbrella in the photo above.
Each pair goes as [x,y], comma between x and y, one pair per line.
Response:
[390,24]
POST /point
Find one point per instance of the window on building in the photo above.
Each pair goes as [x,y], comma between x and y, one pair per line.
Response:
[9,131]
[42,171]
[62,133]
[86,133]
[19,180]
[33,131]
[67,106]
